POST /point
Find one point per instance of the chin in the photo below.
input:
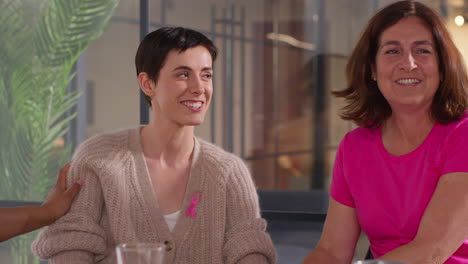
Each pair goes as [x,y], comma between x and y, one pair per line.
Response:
[410,100]
[411,104]
[193,122]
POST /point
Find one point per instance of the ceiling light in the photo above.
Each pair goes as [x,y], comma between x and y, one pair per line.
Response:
[291,41]
[459,21]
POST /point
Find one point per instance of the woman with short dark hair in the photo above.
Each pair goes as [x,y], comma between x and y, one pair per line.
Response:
[160,183]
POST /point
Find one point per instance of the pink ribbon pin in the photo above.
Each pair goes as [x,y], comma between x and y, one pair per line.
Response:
[191,212]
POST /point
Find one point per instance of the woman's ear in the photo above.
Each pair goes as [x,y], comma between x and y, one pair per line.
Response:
[146,84]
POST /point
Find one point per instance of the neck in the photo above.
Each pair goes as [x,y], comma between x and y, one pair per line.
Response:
[170,145]
[408,128]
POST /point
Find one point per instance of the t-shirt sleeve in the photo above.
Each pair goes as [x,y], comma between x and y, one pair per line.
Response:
[455,155]
[339,189]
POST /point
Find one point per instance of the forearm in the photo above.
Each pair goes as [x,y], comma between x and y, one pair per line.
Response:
[20,220]
[443,227]
[322,256]
[72,257]
[415,253]
[248,242]
[254,259]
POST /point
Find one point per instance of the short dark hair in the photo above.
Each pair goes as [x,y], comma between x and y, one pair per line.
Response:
[153,49]
[365,104]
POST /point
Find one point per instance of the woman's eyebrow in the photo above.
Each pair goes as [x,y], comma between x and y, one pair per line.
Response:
[182,67]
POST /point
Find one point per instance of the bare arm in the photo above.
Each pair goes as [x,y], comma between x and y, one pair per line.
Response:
[20,220]
[443,227]
[339,236]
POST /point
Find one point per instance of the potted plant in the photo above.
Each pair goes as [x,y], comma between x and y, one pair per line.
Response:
[40,40]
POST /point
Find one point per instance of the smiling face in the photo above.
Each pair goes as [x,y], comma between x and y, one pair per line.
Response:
[184,87]
[407,70]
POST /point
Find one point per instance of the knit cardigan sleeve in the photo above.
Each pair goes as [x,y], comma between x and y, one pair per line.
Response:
[76,237]
[246,239]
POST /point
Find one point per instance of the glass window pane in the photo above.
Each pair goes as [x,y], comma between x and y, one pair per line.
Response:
[40,79]
[263,172]
[278,62]
[112,86]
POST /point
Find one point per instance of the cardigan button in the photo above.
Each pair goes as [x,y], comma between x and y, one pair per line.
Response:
[168,245]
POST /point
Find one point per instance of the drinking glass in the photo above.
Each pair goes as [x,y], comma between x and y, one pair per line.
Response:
[140,253]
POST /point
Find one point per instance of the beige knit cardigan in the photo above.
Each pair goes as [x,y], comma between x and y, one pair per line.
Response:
[117,204]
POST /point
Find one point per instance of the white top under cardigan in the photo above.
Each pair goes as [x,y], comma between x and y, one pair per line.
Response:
[171,219]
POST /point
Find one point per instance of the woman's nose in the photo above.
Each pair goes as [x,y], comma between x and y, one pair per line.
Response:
[197,86]
[408,63]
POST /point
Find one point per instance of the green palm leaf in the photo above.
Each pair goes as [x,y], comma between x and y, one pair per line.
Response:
[39,44]
[68,26]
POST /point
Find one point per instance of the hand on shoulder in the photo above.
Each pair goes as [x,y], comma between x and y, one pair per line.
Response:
[59,200]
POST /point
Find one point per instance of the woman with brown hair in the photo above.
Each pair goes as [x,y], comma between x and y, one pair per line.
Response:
[402,175]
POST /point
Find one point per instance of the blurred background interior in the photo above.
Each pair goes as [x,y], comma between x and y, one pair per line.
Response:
[278,62]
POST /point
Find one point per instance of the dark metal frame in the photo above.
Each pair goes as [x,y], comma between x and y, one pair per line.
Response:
[77,132]
[229,23]
[144,30]
[10,203]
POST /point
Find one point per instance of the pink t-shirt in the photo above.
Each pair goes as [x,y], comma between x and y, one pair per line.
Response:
[390,193]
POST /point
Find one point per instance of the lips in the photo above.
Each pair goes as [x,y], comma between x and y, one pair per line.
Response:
[408,81]
[193,105]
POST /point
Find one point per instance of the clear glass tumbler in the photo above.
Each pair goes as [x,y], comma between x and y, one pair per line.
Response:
[140,253]
[376,261]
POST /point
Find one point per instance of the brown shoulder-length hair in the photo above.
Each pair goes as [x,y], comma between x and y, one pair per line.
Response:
[365,104]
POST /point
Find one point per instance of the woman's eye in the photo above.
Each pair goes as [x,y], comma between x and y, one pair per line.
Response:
[424,51]
[391,51]
[183,74]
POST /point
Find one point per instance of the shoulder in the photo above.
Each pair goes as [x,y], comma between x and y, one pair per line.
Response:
[451,145]
[358,143]
[459,125]
[221,162]
[218,157]
[359,136]
[454,133]
[104,146]
[454,130]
